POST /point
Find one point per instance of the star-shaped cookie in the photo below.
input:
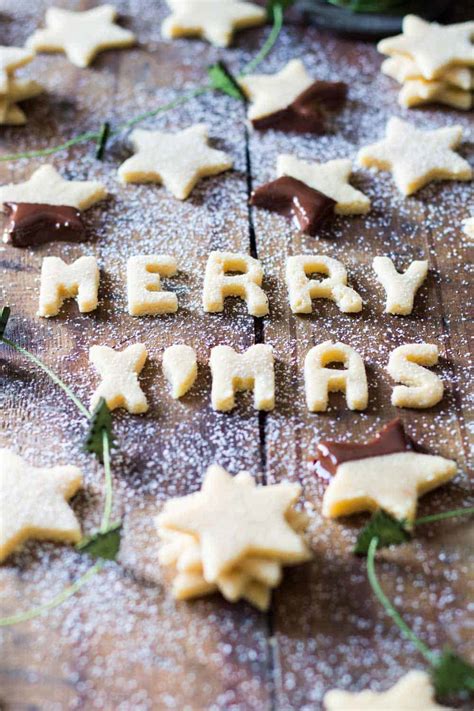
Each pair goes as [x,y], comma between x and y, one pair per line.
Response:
[402,68]
[432,46]
[33,503]
[232,522]
[214,20]
[331,179]
[10,59]
[417,157]
[80,35]
[386,473]
[178,160]
[413,692]
[46,186]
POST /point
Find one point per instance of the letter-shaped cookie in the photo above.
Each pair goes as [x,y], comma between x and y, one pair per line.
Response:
[218,284]
[421,388]
[180,369]
[233,371]
[320,381]
[301,289]
[400,288]
[145,296]
[60,281]
[119,371]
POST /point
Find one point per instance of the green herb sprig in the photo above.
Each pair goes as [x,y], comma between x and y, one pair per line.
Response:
[105,543]
[276,12]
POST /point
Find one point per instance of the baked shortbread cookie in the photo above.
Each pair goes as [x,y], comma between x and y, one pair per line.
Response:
[80,35]
[119,371]
[60,281]
[417,92]
[421,388]
[213,20]
[177,160]
[320,380]
[416,157]
[402,68]
[11,58]
[180,369]
[33,502]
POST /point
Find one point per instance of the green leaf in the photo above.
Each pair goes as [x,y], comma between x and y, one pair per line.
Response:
[100,421]
[451,673]
[222,80]
[4,316]
[282,4]
[387,529]
[102,544]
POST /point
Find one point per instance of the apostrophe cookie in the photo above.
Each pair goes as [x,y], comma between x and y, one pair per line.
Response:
[33,501]
[386,473]
[177,160]
[251,370]
[213,20]
[80,35]
[400,287]
[435,48]
[145,295]
[119,371]
[231,536]
[218,284]
[412,692]
[291,100]
[421,388]
[417,157]
[320,380]
[59,281]
[302,289]
[180,369]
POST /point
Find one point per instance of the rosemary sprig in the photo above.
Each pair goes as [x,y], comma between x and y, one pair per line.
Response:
[277,12]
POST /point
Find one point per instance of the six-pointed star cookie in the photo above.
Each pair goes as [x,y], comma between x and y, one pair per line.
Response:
[214,20]
[33,503]
[178,160]
[46,186]
[80,35]
[433,47]
[10,59]
[232,522]
[417,157]
[331,179]
[413,692]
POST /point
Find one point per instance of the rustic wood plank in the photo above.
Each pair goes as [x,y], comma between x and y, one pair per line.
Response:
[329,630]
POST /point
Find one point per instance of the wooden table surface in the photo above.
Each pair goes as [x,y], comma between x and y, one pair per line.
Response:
[122,642]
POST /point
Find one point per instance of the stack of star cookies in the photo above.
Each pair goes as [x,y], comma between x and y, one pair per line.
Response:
[432,62]
[12,89]
[232,537]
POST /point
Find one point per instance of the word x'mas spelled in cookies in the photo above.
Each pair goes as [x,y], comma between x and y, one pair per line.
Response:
[119,371]
[232,536]
[233,371]
[33,502]
[388,473]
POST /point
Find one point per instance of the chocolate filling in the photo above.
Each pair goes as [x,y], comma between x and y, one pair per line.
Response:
[306,114]
[390,440]
[31,224]
[293,198]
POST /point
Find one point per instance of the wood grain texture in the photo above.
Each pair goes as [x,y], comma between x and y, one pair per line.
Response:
[122,643]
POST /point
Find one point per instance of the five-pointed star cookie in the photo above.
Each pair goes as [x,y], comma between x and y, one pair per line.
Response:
[33,503]
[417,157]
[331,179]
[232,522]
[402,68]
[178,160]
[433,47]
[214,20]
[46,186]
[10,59]
[413,692]
[80,35]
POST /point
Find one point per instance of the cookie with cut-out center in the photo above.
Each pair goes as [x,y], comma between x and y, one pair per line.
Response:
[416,157]
[433,47]
[213,20]
[413,692]
[33,502]
[177,160]
[80,35]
